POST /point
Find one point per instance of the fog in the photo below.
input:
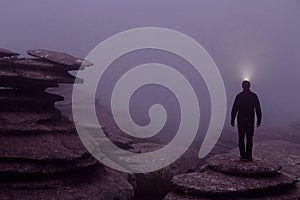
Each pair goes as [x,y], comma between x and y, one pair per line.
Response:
[259,39]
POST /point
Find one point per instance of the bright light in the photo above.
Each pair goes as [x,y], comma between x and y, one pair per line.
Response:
[246,79]
[246,72]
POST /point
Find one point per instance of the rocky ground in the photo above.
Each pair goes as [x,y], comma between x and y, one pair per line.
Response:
[42,157]
[272,175]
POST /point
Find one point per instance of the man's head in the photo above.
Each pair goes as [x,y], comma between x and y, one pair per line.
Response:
[246,85]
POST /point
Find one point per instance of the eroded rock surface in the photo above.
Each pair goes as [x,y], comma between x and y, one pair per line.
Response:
[57,57]
[211,182]
[41,155]
[153,185]
[7,53]
[291,193]
[278,152]
[225,177]
[230,163]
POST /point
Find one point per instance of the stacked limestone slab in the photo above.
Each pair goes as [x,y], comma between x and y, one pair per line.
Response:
[226,177]
[41,156]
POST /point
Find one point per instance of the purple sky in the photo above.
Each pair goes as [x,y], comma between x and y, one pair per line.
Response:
[257,36]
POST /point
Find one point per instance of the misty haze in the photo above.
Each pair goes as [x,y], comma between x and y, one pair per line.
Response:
[254,40]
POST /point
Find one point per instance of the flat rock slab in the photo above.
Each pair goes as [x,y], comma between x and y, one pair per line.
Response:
[60,58]
[25,96]
[101,185]
[7,53]
[46,147]
[230,163]
[29,63]
[43,75]
[292,193]
[24,101]
[212,183]
[7,73]
[35,63]
[21,167]
[26,83]
[40,75]
[18,118]
[32,125]
[279,152]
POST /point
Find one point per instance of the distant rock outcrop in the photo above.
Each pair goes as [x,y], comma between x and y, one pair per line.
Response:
[226,177]
[7,53]
[41,156]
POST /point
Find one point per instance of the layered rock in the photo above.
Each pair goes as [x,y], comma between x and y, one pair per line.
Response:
[41,155]
[226,177]
[230,164]
[7,53]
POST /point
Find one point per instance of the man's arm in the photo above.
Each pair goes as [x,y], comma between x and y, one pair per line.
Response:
[258,112]
[234,111]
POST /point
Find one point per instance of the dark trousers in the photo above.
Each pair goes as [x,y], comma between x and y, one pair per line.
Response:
[245,129]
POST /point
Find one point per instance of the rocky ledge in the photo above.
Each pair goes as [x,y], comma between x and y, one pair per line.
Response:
[272,175]
[231,164]
[41,155]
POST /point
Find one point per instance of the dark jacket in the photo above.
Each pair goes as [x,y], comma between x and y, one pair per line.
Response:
[245,105]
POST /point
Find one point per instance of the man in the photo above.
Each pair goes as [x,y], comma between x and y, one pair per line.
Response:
[246,104]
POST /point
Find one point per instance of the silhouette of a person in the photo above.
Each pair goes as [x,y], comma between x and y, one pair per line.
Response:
[245,105]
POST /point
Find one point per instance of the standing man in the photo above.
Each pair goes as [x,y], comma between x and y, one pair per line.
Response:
[246,104]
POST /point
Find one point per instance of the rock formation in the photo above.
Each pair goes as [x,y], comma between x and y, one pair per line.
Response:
[41,156]
[152,185]
[226,177]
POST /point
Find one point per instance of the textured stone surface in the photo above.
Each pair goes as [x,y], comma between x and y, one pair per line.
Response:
[230,163]
[211,182]
[220,181]
[292,193]
[47,76]
[94,185]
[160,181]
[25,167]
[17,72]
[60,58]
[30,123]
[27,84]
[7,53]
[19,95]
[279,152]
[41,155]
[42,147]
[7,73]
[24,101]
